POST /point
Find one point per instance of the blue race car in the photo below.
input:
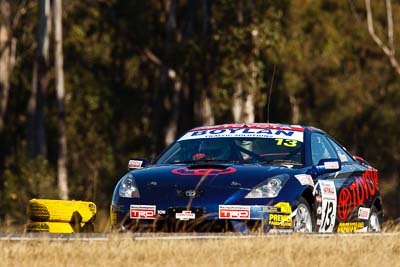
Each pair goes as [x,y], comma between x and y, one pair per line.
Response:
[250,178]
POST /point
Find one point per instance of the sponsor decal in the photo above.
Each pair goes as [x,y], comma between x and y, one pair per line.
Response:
[161,212]
[305,179]
[253,126]
[185,215]
[285,219]
[135,164]
[202,172]
[243,132]
[280,220]
[284,207]
[319,210]
[357,193]
[350,227]
[331,165]
[328,207]
[234,212]
[328,190]
[270,209]
[142,212]
[363,213]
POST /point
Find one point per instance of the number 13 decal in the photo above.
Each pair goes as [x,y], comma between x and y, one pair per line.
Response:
[285,142]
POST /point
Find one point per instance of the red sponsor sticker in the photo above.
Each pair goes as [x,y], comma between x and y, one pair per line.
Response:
[142,212]
[234,212]
[185,215]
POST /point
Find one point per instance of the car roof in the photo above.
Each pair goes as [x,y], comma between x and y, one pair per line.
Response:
[277,126]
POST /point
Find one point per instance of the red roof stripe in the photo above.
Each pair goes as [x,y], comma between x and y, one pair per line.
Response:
[251,126]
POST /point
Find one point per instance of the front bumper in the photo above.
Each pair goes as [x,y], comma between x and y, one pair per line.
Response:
[223,218]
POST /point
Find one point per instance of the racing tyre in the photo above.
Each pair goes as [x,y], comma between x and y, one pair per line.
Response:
[375,220]
[47,210]
[303,221]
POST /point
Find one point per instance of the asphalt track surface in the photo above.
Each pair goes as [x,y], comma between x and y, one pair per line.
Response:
[152,236]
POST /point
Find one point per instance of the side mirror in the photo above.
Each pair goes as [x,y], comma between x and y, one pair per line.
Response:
[327,166]
[137,163]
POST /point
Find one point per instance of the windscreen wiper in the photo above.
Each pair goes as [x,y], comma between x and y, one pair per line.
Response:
[282,162]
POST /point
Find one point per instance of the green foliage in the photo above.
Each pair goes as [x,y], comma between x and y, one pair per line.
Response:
[24,180]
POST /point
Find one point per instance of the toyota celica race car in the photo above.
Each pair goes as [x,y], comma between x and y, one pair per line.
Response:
[250,178]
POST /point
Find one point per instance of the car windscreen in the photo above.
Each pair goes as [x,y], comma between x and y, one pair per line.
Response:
[235,149]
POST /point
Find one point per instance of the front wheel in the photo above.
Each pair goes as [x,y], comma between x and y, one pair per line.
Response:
[374,222]
[303,221]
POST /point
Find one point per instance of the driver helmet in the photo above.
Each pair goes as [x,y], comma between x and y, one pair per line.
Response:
[215,148]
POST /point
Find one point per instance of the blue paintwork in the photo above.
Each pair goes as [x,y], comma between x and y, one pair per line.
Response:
[158,185]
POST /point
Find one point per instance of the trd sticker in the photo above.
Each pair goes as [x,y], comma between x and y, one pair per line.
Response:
[142,212]
[185,215]
[350,227]
[329,205]
[234,212]
[363,213]
[203,172]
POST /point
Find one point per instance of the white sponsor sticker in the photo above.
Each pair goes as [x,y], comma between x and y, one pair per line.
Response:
[329,206]
[135,164]
[185,215]
[305,179]
[142,212]
[244,132]
[331,165]
[319,210]
[234,212]
[363,213]
[161,212]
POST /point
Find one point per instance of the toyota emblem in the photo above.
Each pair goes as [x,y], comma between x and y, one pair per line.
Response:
[190,193]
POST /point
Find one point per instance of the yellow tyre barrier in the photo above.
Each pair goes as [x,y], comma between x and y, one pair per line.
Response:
[67,211]
[59,227]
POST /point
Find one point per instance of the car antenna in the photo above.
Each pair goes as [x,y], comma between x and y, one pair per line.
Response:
[270,92]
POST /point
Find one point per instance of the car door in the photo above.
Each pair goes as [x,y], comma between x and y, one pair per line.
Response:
[357,187]
[334,211]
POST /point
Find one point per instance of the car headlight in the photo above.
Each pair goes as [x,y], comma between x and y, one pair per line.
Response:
[269,188]
[128,187]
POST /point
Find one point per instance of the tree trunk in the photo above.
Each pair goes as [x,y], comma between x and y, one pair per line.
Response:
[62,173]
[170,75]
[36,131]
[243,105]
[294,105]
[7,55]
[206,114]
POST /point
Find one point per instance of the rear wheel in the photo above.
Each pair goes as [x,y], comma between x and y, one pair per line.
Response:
[303,221]
[374,222]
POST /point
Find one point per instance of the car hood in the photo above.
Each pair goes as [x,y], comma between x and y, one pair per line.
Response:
[244,176]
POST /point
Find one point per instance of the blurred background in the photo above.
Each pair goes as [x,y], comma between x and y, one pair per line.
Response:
[85,85]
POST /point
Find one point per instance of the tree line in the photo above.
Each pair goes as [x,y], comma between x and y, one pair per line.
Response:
[85,85]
